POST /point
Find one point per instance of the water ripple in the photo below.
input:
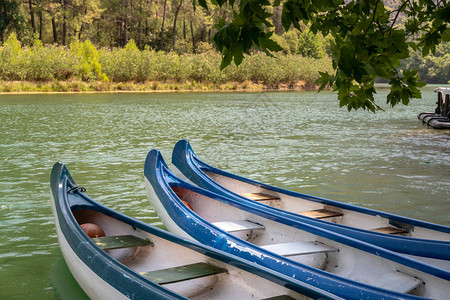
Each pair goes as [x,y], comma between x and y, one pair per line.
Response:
[298,141]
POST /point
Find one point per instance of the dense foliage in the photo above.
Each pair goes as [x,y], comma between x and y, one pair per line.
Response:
[432,68]
[82,61]
[159,24]
[370,38]
[366,40]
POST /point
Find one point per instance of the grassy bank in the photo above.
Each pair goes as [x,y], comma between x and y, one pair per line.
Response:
[84,68]
[73,86]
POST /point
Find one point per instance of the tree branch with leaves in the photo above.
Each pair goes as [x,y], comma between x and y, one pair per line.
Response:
[369,40]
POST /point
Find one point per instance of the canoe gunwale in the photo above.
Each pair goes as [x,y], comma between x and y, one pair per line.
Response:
[130,283]
[156,171]
[201,166]
[185,160]
[107,268]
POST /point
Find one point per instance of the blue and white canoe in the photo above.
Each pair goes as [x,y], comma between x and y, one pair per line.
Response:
[397,233]
[139,261]
[329,261]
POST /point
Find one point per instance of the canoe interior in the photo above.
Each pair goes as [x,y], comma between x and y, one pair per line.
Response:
[319,210]
[183,270]
[309,249]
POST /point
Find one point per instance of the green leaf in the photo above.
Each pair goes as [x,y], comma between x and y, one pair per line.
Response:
[324,80]
[446,35]
[366,44]
[268,44]
[237,53]
[226,59]
[324,5]
[352,67]
[293,12]
[202,4]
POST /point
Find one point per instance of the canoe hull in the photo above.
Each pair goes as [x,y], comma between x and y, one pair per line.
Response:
[428,240]
[92,284]
[139,261]
[98,274]
[165,217]
[163,189]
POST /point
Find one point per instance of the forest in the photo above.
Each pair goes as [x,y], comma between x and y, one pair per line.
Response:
[158,24]
[49,30]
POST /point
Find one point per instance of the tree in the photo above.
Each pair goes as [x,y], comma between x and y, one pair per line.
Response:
[433,68]
[369,40]
[310,45]
[83,15]
[161,42]
[10,17]
[174,31]
[30,6]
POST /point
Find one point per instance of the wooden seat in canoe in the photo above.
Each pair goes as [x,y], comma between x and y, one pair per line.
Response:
[182,273]
[281,297]
[259,197]
[321,213]
[390,230]
[398,282]
[299,248]
[238,225]
[120,241]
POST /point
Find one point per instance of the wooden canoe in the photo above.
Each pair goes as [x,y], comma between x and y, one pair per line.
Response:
[135,260]
[397,233]
[341,265]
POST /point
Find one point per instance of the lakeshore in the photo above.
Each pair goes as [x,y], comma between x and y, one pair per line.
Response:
[74,86]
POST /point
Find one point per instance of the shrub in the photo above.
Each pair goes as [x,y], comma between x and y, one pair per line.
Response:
[10,59]
[49,63]
[310,45]
[292,40]
[129,64]
[88,67]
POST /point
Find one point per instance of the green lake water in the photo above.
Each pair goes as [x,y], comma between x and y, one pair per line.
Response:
[301,141]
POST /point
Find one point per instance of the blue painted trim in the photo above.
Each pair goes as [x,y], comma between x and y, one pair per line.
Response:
[126,280]
[162,180]
[184,158]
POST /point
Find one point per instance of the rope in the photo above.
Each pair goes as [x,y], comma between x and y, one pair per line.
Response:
[76,188]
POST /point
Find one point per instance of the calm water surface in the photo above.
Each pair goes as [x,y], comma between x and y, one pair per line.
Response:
[299,141]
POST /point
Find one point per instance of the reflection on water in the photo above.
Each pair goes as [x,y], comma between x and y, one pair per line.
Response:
[63,283]
[299,141]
